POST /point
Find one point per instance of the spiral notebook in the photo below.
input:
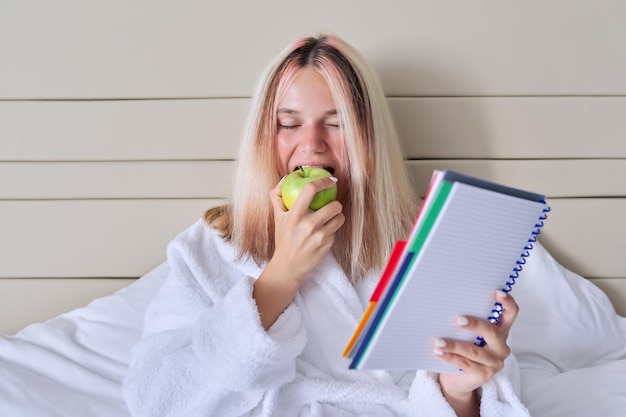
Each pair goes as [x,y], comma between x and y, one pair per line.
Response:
[471,238]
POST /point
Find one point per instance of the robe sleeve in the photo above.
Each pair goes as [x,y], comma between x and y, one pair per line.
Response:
[498,398]
[204,351]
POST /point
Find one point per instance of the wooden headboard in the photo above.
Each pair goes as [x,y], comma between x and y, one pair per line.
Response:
[119,122]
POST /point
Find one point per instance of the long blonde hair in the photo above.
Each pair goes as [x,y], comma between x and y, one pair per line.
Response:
[381,204]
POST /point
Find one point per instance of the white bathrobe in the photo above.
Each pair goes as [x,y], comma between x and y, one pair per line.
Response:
[205,353]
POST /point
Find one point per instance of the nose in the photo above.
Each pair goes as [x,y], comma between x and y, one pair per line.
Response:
[313,139]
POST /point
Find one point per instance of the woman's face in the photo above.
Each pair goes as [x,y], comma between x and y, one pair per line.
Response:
[310,128]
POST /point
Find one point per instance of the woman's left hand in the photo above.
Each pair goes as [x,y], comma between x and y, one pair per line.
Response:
[479,364]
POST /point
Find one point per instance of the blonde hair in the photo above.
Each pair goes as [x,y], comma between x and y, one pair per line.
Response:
[381,204]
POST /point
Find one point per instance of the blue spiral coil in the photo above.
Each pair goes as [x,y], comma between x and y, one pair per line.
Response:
[497,310]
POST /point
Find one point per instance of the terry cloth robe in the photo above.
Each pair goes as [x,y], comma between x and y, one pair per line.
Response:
[205,353]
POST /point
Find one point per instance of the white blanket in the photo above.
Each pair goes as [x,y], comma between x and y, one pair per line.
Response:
[73,365]
[570,343]
[204,352]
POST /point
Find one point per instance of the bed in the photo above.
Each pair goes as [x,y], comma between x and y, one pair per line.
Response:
[113,142]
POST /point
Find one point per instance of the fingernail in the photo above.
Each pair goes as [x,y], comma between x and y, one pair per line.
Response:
[462,321]
[440,343]
[502,294]
[334,179]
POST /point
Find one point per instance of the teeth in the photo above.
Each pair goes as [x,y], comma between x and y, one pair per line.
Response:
[329,169]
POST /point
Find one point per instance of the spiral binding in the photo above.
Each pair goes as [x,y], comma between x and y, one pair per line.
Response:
[497,310]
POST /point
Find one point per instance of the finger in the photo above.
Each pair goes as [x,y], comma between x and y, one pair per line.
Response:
[276,197]
[331,217]
[323,224]
[467,355]
[503,316]
[509,312]
[305,198]
[493,336]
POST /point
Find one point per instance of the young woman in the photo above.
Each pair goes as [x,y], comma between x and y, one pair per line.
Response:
[262,300]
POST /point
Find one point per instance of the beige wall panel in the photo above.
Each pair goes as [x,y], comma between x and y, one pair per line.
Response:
[26,301]
[90,238]
[615,288]
[195,48]
[120,130]
[587,236]
[479,127]
[512,127]
[554,178]
[106,180]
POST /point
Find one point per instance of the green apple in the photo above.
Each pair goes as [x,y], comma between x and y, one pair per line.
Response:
[295,182]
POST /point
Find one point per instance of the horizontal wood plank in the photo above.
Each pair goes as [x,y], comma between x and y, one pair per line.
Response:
[512,127]
[91,238]
[587,236]
[26,301]
[212,179]
[121,238]
[418,47]
[115,180]
[554,178]
[121,130]
[433,128]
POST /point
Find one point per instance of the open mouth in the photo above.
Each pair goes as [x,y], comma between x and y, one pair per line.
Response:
[329,169]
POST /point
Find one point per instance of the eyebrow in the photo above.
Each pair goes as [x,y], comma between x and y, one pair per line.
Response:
[286,110]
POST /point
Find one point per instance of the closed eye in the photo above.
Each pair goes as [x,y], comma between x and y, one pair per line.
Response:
[334,125]
[288,127]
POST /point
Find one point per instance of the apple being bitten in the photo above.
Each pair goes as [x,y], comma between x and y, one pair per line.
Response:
[301,176]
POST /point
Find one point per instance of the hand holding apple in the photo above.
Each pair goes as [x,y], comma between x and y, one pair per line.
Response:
[294,183]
